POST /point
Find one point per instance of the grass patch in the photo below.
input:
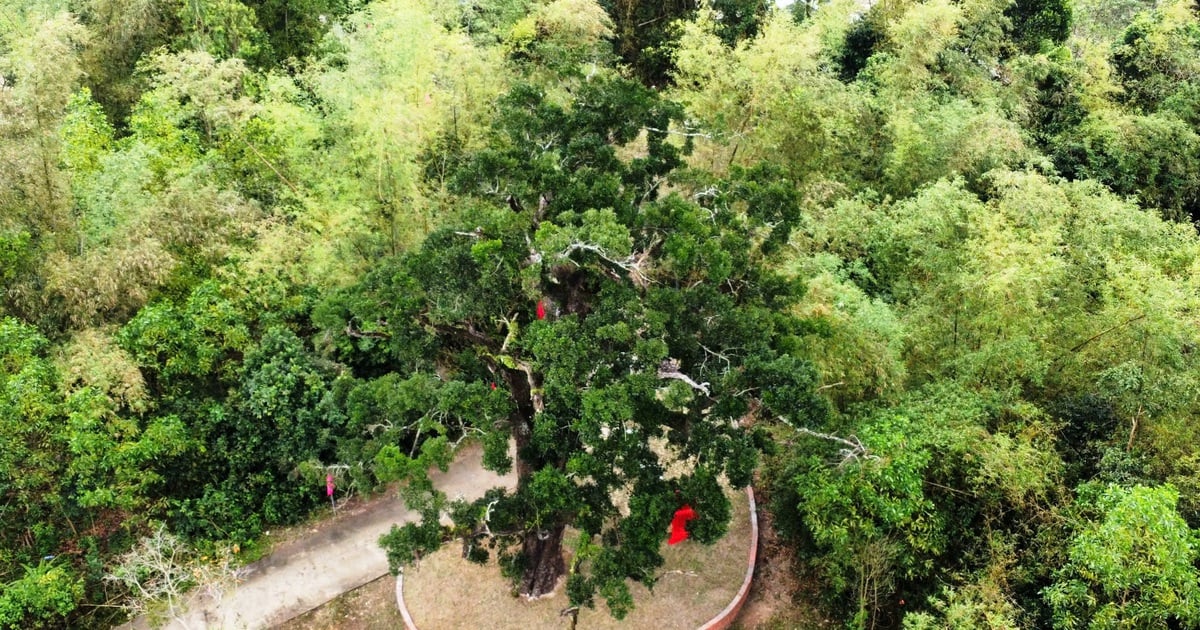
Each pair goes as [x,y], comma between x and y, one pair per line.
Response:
[446,592]
[369,607]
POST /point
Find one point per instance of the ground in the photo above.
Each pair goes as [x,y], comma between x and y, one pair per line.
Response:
[778,600]
[371,607]
[340,554]
[308,567]
[695,584]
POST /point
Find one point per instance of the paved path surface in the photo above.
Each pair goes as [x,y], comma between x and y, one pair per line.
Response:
[336,557]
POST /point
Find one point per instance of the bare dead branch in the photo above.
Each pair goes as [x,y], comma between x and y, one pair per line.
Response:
[670,369]
[854,449]
[369,334]
[260,156]
[634,264]
[1100,334]
[680,133]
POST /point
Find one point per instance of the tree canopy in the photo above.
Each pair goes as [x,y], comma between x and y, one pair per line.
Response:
[924,272]
[608,329]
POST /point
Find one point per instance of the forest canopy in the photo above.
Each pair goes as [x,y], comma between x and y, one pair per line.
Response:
[925,272]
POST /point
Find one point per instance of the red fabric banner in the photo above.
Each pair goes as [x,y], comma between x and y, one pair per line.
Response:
[679,524]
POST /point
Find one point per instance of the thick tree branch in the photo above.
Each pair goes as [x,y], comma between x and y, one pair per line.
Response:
[468,334]
[854,448]
[633,264]
[357,334]
[670,369]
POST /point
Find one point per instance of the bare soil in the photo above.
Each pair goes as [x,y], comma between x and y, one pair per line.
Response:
[779,600]
[446,592]
[370,607]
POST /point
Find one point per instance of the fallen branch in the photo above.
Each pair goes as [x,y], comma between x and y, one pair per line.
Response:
[680,133]
[260,156]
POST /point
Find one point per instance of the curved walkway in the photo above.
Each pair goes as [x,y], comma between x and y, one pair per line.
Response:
[303,574]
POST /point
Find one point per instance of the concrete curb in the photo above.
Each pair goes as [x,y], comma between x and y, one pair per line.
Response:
[723,620]
[408,620]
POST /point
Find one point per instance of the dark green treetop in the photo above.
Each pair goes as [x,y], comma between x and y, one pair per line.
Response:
[605,328]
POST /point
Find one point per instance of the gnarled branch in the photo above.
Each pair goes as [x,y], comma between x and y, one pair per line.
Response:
[670,369]
[634,264]
[854,449]
[368,334]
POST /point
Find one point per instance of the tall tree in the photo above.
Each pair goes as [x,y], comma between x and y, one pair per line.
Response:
[588,319]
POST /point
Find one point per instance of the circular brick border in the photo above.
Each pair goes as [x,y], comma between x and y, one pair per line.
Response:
[408,620]
[723,620]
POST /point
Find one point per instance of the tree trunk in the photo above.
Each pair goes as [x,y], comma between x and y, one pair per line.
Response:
[521,420]
[542,551]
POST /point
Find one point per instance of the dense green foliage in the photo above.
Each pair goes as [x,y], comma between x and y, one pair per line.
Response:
[937,259]
[659,320]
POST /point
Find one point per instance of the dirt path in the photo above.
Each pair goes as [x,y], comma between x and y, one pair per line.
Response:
[338,556]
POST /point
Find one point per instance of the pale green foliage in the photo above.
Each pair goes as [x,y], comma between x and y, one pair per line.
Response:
[39,71]
[982,602]
[563,35]
[1103,20]
[42,597]
[92,360]
[776,99]
[934,137]
[223,28]
[201,88]
[769,98]
[858,347]
[1149,157]
[136,234]
[85,134]
[17,11]
[151,200]
[1018,470]
[915,39]
[400,80]
[111,280]
[582,20]
[974,607]
[1044,284]
[1130,568]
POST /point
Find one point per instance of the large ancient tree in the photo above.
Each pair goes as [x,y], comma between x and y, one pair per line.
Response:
[577,310]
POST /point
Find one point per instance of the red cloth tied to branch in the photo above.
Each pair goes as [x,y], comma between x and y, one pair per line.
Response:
[679,524]
[541,310]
